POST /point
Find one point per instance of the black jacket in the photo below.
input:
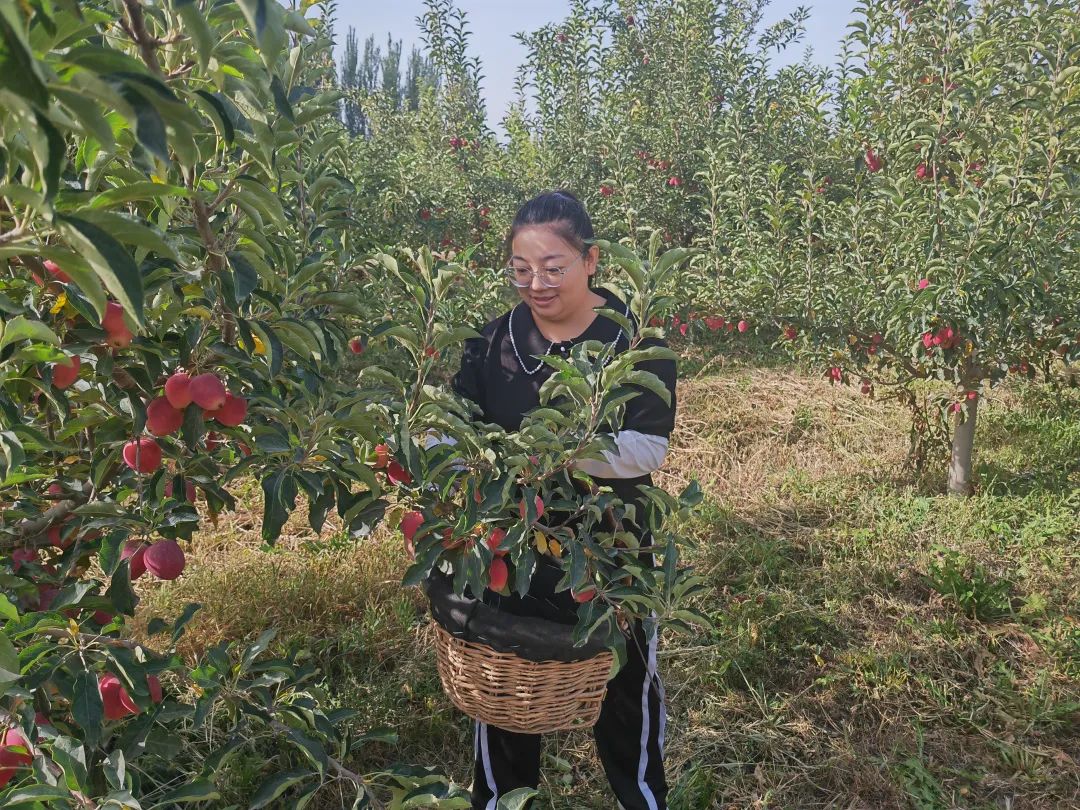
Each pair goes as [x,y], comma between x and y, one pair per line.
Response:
[493,378]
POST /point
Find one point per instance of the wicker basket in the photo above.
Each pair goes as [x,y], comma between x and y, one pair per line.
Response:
[501,669]
[512,693]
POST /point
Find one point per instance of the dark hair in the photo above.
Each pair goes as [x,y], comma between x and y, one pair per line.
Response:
[560,210]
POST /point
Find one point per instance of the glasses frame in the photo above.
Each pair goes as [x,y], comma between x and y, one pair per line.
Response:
[509,271]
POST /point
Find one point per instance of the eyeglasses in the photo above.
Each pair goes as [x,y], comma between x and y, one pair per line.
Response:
[521,277]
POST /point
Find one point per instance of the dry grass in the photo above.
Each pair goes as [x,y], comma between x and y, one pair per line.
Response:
[835,675]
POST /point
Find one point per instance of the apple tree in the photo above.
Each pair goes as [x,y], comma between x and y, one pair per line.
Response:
[173,232]
[933,233]
[487,503]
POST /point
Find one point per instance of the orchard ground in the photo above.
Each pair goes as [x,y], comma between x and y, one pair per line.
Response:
[877,644]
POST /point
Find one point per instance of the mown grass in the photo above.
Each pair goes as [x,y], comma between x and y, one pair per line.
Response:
[875,643]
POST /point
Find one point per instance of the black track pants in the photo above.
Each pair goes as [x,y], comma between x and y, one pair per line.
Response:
[629,734]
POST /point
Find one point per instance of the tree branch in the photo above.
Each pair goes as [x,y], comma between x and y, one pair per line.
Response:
[13,235]
[136,27]
[337,768]
[30,527]
[90,638]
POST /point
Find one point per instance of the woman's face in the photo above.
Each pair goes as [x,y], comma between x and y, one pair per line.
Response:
[539,247]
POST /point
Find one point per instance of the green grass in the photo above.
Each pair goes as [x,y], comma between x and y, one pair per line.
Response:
[875,643]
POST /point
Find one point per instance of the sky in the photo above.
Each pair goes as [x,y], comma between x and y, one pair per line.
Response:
[494,22]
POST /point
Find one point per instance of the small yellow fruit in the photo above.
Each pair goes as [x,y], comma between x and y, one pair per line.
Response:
[554,547]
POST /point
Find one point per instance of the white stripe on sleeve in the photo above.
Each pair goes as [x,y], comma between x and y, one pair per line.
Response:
[637,454]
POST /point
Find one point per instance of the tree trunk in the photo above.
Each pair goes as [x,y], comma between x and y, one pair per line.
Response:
[960,475]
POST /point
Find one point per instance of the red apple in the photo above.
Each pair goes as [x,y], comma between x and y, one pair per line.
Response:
[189,490]
[584,595]
[790,333]
[178,390]
[154,685]
[46,595]
[119,339]
[165,559]
[213,442]
[397,474]
[411,523]
[53,269]
[135,552]
[743,326]
[21,556]
[873,162]
[64,374]
[103,617]
[356,346]
[113,319]
[162,418]
[498,574]
[382,456]
[142,455]
[207,391]
[606,191]
[494,539]
[115,698]
[539,508]
[232,412]
[56,537]
[14,753]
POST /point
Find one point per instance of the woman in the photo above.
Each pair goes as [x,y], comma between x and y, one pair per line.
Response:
[552,268]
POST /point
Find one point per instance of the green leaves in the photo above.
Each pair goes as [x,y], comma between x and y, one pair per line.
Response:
[210,227]
[279,500]
[266,19]
[110,261]
[201,790]
[274,787]
[19,71]
[9,663]
[196,27]
[86,706]
[245,276]
[21,328]
[149,125]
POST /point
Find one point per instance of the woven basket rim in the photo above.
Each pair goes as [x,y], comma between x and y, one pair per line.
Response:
[524,697]
[528,637]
